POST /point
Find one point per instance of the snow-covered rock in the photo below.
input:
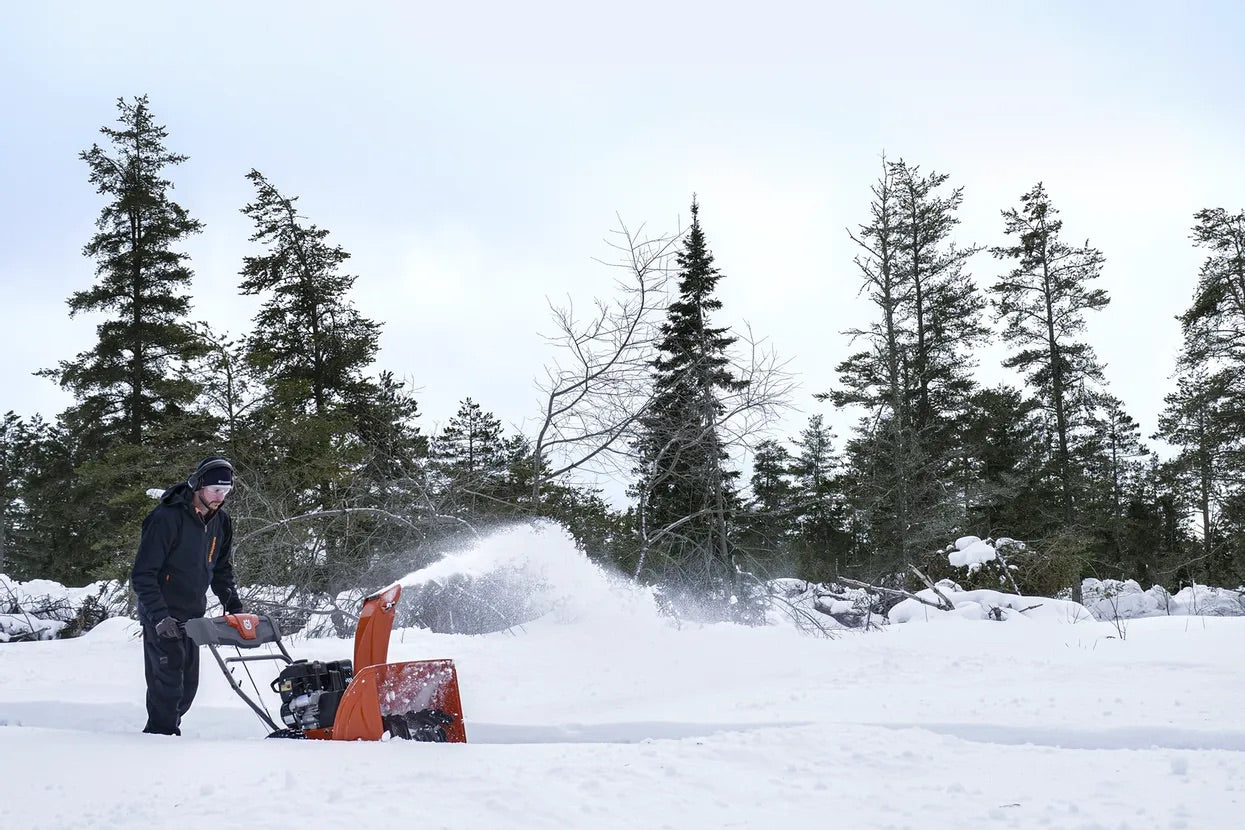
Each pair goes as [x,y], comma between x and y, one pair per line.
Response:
[987,605]
[1113,599]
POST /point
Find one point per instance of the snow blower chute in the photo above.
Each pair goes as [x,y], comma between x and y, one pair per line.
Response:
[343,700]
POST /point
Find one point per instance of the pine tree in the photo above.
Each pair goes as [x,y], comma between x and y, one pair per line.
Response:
[473,459]
[48,527]
[766,522]
[1044,300]
[316,436]
[307,339]
[127,386]
[132,420]
[1218,310]
[1197,421]
[12,444]
[819,503]
[688,495]
[1119,493]
[913,371]
[1208,422]
[944,308]
[1000,466]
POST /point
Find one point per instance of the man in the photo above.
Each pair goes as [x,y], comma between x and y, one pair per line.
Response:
[186,546]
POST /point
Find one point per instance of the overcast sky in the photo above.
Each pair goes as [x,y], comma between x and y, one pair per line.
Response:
[474,157]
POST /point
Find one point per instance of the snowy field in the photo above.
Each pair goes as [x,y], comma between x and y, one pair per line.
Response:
[603,714]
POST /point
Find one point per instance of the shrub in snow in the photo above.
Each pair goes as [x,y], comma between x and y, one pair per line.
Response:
[1000,564]
[44,610]
[822,606]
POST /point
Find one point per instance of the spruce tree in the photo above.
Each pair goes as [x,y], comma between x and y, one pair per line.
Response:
[1197,420]
[942,308]
[1044,300]
[12,444]
[912,369]
[126,386]
[1205,416]
[1119,494]
[49,529]
[319,428]
[819,504]
[766,521]
[308,339]
[473,460]
[884,453]
[687,492]
[1000,466]
[133,422]
[771,479]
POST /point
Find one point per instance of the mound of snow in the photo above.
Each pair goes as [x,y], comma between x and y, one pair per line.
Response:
[987,605]
[115,630]
[1113,599]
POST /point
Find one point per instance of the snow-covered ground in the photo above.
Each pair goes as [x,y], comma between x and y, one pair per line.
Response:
[603,714]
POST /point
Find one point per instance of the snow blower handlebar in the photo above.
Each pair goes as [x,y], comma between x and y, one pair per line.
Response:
[241,631]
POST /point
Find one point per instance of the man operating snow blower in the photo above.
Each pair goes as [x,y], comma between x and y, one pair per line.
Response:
[186,547]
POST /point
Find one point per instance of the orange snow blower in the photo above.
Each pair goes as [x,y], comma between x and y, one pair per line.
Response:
[342,700]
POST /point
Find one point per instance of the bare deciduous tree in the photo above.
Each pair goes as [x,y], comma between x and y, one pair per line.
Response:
[593,393]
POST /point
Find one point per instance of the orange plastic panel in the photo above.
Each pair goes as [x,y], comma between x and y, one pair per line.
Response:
[247,625]
[394,688]
[371,635]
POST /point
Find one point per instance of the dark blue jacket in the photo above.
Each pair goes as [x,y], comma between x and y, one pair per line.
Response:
[179,557]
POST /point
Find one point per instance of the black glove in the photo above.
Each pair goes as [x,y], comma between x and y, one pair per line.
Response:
[169,628]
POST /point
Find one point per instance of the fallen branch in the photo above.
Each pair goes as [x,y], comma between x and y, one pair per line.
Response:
[801,617]
[898,592]
[949,606]
[998,551]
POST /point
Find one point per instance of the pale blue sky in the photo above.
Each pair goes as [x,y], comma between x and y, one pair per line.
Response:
[472,159]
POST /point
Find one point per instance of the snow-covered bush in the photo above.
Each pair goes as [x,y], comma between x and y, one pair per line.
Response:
[821,606]
[44,610]
[1001,564]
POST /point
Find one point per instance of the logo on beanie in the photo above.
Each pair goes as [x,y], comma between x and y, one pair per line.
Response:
[219,477]
[215,471]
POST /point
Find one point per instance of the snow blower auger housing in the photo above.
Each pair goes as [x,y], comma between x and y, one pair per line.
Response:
[344,700]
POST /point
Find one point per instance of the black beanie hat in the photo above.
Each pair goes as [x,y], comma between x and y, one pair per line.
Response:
[215,471]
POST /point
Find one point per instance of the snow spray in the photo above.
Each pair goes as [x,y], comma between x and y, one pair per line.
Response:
[537,566]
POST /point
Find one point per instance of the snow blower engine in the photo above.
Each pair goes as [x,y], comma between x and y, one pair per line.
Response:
[416,700]
[310,692]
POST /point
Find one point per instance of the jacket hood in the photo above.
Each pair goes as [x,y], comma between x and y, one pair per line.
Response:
[178,494]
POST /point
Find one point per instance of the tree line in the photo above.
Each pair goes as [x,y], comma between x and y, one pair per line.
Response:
[339,487]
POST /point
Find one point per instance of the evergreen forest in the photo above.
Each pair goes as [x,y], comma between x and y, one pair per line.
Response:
[339,486]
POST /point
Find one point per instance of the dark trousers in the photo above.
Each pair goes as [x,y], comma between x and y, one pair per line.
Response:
[172,671]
